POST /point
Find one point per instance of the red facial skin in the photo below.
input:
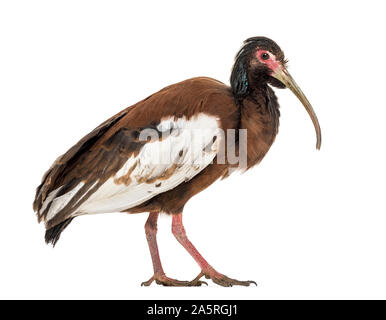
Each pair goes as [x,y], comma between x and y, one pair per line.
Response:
[271,62]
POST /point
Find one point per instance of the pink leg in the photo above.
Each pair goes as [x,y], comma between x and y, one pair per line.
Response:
[180,234]
[159,274]
[151,236]
[206,269]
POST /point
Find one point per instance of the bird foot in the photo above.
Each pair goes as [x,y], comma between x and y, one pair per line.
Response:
[162,279]
[221,279]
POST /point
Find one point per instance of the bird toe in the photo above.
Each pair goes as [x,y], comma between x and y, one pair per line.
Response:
[223,280]
[169,282]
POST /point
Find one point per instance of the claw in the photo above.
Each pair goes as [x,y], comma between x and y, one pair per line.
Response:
[148,282]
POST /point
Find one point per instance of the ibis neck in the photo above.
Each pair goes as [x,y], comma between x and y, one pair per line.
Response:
[259,114]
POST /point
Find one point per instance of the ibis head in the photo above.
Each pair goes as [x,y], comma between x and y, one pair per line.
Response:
[261,62]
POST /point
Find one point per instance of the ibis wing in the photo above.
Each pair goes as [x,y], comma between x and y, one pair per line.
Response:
[112,169]
[127,169]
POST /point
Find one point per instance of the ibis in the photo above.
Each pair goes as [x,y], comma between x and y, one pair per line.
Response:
[155,155]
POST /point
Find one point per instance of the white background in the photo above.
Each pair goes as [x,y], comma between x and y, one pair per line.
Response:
[303,224]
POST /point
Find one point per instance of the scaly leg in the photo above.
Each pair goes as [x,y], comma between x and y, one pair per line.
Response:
[159,275]
[206,269]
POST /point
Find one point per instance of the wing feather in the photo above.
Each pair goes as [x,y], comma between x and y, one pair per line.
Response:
[51,179]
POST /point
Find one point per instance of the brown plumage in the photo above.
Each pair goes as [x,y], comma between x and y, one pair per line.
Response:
[113,163]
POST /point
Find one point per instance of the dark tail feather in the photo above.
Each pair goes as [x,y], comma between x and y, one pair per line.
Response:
[53,234]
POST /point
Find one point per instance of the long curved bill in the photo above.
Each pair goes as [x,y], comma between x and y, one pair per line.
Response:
[283,76]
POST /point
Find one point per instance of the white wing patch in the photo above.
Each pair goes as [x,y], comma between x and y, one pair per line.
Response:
[161,165]
[60,202]
[49,198]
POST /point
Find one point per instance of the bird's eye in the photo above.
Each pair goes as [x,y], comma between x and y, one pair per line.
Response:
[265,56]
